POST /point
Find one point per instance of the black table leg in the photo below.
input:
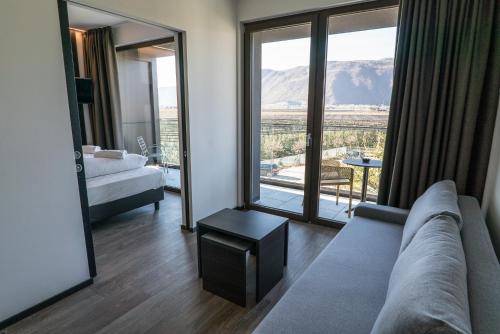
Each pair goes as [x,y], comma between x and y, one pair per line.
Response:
[285,262]
[364,186]
[270,265]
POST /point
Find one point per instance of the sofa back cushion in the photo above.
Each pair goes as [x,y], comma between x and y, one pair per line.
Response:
[483,269]
[439,199]
[428,285]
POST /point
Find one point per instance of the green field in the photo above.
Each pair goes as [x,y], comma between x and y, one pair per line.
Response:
[283,134]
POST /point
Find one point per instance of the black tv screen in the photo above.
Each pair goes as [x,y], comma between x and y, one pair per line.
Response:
[84,90]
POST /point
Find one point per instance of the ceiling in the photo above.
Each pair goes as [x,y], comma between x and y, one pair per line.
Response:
[125,31]
[85,19]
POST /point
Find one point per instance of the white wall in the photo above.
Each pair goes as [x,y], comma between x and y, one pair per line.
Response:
[42,246]
[42,250]
[210,27]
[491,199]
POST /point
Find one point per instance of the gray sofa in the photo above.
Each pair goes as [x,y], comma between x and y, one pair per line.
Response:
[344,289]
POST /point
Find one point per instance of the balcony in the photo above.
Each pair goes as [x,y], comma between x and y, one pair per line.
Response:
[288,199]
[283,189]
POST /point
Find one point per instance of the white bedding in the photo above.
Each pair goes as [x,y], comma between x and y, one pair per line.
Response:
[103,166]
[107,188]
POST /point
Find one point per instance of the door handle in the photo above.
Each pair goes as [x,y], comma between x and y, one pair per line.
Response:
[309,140]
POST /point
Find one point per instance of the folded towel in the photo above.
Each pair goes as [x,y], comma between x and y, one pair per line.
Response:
[90,149]
[97,167]
[110,154]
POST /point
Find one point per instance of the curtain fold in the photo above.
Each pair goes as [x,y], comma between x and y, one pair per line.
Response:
[444,98]
[101,67]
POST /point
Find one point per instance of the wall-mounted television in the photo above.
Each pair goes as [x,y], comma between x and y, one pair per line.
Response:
[84,90]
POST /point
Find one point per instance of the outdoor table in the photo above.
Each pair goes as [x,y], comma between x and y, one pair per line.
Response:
[366,167]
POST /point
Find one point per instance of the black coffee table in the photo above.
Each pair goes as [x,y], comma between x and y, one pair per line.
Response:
[267,232]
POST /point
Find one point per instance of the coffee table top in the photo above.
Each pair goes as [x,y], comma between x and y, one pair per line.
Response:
[373,163]
[250,225]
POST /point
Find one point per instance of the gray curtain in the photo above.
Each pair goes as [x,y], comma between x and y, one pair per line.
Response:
[444,99]
[100,65]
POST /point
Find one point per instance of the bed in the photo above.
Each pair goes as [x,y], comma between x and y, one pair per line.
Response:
[116,186]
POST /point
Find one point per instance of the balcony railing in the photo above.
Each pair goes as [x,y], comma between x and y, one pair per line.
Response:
[347,132]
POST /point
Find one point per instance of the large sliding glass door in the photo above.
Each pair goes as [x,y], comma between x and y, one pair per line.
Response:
[358,82]
[317,92]
[169,114]
[148,92]
[279,64]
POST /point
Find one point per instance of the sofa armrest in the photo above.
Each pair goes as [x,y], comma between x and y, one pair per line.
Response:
[381,212]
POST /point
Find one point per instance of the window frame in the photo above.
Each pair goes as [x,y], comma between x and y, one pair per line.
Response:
[317,75]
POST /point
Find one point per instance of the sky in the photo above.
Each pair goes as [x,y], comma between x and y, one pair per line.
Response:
[166,71]
[166,76]
[361,45]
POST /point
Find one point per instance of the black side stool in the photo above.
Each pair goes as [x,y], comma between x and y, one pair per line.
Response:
[224,261]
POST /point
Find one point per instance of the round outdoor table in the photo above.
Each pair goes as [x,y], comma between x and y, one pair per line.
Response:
[366,167]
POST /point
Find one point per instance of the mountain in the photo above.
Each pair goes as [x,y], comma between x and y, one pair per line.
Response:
[347,82]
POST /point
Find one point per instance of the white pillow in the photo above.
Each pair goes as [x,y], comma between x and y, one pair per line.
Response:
[102,166]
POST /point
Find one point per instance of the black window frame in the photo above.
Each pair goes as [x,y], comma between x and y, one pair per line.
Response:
[319,36]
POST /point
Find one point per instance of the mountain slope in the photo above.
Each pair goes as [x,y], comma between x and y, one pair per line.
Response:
[347,82]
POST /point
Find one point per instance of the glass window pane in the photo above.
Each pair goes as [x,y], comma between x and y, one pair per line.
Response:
[148,93]
[280,89]
[166,68]
[358,86]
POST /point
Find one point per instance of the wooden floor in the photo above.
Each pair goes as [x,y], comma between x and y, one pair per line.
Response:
[147,281]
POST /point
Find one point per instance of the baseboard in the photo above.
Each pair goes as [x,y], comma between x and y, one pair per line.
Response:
[38,307]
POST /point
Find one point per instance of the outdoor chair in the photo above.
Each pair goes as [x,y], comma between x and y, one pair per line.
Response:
[336,176]
[155,153]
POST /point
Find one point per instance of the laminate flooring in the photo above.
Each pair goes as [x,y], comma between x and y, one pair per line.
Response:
[148,283]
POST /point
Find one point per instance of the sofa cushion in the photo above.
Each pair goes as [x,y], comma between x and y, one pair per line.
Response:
[483,269]
[381,212]
[428,285]
[345,287]
[439,199]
